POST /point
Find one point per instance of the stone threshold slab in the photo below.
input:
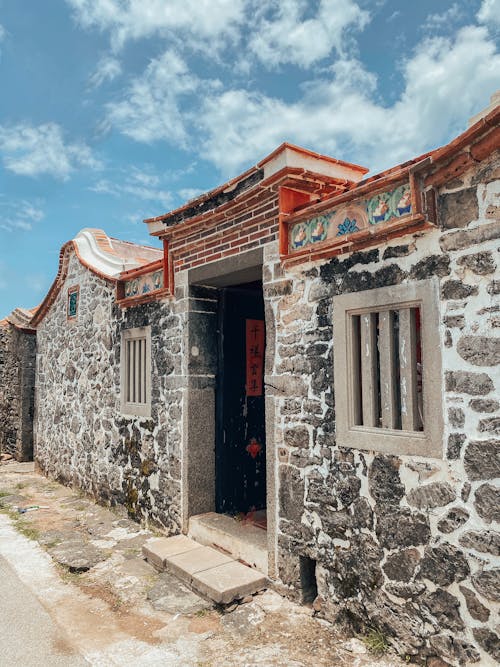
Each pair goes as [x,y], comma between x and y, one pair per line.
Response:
[206,570]
[243,541]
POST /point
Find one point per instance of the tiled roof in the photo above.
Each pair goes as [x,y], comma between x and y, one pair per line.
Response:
[104,256]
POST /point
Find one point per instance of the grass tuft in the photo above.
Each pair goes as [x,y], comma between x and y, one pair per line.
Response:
[376,642]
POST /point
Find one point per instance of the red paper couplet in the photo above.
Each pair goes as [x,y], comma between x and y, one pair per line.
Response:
[255,340]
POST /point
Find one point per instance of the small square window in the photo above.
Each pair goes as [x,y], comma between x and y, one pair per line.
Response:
[72,303]
[388,370]
[136,371]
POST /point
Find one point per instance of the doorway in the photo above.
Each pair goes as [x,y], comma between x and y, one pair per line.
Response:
[240,451]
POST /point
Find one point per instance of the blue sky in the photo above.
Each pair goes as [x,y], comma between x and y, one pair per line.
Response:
[116,110]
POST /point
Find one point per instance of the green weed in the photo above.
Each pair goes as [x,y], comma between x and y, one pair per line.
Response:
[376,642]
[25,528]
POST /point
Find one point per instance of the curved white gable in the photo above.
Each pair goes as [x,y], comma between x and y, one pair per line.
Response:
[106,263]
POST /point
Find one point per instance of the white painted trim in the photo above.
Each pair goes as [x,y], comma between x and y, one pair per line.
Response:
[291,157]
[91,253]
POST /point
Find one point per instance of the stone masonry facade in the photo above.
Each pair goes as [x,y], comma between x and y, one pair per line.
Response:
[405,544]
[82,439]
[17,382]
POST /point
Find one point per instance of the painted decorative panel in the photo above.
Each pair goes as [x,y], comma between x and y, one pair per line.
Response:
[352,217]
[149,282]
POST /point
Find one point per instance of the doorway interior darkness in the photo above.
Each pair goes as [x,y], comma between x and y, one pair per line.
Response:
[240,452]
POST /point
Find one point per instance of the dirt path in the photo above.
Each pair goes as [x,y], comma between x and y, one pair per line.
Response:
[83,563]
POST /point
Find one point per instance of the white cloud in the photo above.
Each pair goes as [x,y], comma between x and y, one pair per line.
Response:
[138,184]
[489,12]
[445,82]
[214,21]
[151,108]
[290,37]
[444,19]
[3,32]
[108,69]
[19,215]
[186,194]
[32,151]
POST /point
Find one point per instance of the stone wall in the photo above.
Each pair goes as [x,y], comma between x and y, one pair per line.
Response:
[405,544]
[82,439]
[17,385]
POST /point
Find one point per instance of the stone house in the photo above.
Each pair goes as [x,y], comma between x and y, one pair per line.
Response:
[17,384]
[316,353]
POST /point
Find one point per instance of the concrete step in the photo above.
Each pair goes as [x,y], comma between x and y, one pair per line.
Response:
[243,541]
[206,570]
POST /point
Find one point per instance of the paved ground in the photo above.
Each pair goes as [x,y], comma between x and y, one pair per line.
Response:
[76,590]
[30,638]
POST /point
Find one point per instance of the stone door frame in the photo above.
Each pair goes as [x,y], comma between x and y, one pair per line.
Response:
[199,288]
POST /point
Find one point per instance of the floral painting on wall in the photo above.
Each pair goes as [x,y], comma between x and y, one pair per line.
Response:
[351,218]
[150,282]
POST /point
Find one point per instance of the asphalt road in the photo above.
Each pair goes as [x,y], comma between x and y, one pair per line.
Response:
[28,635]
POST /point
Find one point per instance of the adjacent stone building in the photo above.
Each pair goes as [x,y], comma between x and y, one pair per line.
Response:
[17,384]
[311,346]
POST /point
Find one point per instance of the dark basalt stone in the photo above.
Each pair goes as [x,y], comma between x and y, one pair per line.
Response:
[481,263]
[455,518]
[396,251]
[456,289]
[357,569]
[487,502]
[454,649]
[490,425]
[401,565]
[384,481]
[480,350]
[336,266]
[434,265]
[482,459]
[486,541]
[405,590]
[436,494]
[298,436]
[488,641]
[445,609]
[467,382]
[399,527]
[443,565]
[487,583]
[362,514]
[475,608]
[457,209]
[484,405]
[336,523]
[455,444]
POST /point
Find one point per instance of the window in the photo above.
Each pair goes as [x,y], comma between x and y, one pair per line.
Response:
[136,372]
[72,303]
[387,369]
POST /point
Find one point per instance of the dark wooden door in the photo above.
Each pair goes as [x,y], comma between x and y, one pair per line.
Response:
[240,446]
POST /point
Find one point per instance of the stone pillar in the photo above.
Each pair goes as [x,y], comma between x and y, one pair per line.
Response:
[199,370]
